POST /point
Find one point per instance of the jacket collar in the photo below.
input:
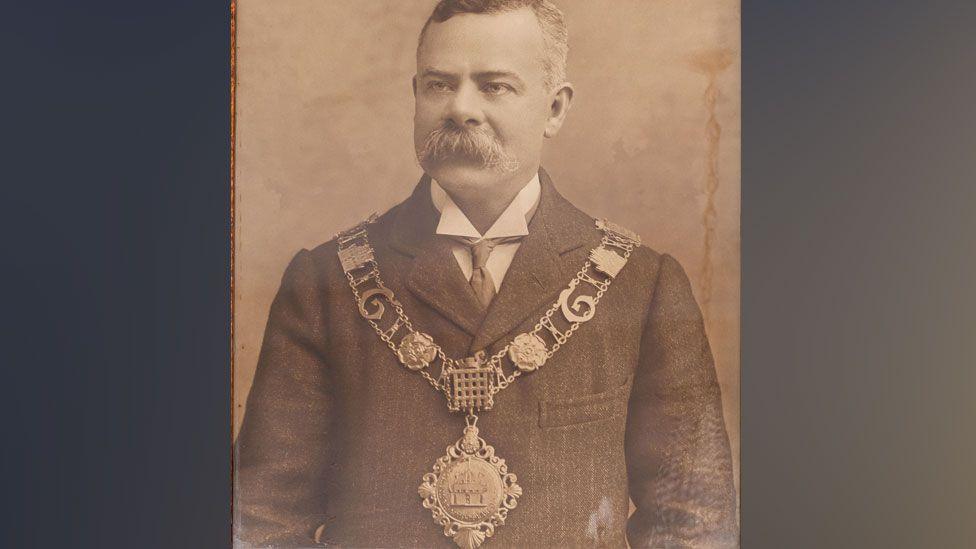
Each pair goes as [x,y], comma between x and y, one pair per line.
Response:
[537,273]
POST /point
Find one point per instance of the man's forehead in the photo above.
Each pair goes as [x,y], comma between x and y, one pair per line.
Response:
[506,42]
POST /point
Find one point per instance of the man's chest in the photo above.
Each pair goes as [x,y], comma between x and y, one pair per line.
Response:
[600,356]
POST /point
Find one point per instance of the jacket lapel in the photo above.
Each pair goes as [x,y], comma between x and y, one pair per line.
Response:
[433,275]
[540,268]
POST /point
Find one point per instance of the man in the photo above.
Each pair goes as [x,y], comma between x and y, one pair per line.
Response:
[482,264]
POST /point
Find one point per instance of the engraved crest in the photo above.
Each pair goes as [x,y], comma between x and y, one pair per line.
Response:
[470,491]
[527,352]
[355,257]
[357,231]
[607,261]
[619,231]
[416,350]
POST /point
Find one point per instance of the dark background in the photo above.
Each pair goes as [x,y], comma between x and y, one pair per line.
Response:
[858,307]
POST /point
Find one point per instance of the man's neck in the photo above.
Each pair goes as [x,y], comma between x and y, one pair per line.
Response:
[483,209]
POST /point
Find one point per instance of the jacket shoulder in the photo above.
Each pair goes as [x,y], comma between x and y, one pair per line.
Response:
[643,255]
[325,255]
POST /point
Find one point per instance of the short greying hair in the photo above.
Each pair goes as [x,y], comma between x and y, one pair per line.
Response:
[554,32]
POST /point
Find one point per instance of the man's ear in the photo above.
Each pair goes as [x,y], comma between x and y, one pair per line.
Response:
[558,109]
[414,85]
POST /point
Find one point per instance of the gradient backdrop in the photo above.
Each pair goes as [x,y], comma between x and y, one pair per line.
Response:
[858,309]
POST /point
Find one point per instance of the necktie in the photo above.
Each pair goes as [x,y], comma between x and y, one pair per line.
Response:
[481,281]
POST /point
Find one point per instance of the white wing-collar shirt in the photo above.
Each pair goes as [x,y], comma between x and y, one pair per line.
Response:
[512,222]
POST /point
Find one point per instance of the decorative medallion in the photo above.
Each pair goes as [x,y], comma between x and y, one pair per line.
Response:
[527,352]
[416,350]
[470,491]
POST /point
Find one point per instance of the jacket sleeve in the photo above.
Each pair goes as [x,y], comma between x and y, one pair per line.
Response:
[283,443]
[678,458]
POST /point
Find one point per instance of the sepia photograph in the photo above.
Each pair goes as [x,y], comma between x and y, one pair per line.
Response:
[486,273]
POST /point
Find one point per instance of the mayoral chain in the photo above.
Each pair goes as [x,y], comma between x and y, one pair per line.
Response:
[471,491]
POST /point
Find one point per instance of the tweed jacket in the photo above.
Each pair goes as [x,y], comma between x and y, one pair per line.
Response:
[337,434]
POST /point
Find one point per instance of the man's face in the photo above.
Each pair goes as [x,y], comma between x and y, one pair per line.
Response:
[482,106]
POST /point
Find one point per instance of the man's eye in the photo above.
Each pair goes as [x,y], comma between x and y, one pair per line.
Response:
[438,86]
[496,88]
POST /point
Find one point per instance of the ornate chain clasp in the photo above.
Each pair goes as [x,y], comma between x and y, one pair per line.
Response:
[472,384]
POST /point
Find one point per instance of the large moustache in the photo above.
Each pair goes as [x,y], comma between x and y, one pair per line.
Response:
[478,144]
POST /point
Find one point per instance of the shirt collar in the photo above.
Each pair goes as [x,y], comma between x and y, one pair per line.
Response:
[512,221]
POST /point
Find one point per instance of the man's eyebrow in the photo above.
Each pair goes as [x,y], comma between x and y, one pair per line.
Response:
[484,75]
[438,74]
[488,75]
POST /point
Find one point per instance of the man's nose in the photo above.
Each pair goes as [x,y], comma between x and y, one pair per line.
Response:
[465,107]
